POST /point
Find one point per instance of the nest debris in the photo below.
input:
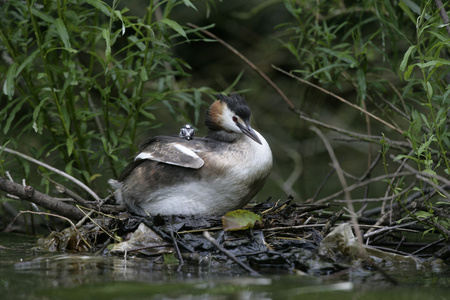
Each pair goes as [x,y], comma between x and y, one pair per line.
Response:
[289,237]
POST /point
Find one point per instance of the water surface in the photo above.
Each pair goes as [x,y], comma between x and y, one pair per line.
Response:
[26,273]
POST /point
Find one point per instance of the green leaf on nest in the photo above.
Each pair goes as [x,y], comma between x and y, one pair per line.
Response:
[239,220]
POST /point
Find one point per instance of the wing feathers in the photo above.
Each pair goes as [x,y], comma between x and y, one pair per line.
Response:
[172,154]
[168,150]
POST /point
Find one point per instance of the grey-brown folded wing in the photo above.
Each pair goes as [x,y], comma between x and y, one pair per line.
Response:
[168,150]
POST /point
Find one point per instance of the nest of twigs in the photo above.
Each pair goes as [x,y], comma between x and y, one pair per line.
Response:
[287,237]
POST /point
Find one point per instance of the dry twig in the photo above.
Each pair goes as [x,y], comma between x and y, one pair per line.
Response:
[56,216]
[59,172]
[229,254]
[341,177]
[339,98]
[363,183]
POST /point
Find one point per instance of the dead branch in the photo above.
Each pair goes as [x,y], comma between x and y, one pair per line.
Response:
[248,62]
[57,216]
[443,14]
[339,98]
[426,246]
[363,183]
[388,228]
[404,191]
[63,190]
[28,193]
[229,254]
[59,172]
[294,227]
[410,198]
[374,139]
[343,182]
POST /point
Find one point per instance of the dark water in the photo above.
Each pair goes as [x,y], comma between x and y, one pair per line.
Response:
[28,274]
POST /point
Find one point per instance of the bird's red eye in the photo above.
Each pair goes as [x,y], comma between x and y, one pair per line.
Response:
[235,119]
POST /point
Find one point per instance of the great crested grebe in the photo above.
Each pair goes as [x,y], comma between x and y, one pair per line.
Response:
[187,175]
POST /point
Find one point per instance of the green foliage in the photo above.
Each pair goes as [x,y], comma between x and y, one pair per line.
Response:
[425,65]
[86,77]
[360,44]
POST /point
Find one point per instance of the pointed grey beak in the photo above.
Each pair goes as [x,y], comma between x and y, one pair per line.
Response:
[248,131]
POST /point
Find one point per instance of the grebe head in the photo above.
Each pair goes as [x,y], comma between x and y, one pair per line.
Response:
[231,115]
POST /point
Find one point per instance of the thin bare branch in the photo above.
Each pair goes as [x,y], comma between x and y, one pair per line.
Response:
[88,215]
[213,241]
[248,62]
[56,216]
[339,98]
[404,191]
[363,183]
[443,14]
[444,180]
[59,172]
[343,182]
[63,190]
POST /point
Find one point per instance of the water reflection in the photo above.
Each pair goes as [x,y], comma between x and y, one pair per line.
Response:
[29,274]
[84,269]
